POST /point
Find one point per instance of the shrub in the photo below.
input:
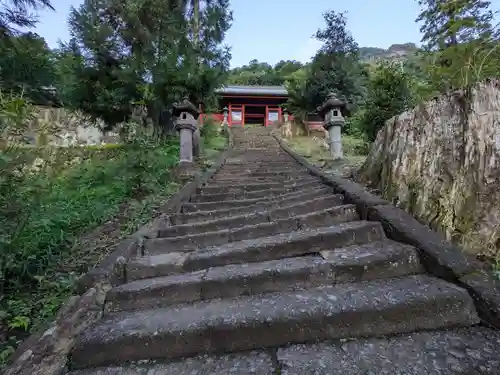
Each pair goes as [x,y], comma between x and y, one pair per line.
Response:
[210,128]
[389,94]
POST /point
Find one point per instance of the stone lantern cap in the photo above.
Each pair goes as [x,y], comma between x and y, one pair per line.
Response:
[331,102]
[225,109]
[186,106]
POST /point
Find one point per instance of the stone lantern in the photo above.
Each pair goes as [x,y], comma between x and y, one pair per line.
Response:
[333,121]
[225,122]
[286,115]
[186,124]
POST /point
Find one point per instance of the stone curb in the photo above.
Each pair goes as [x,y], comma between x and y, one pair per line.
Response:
[440,257]
[45,352]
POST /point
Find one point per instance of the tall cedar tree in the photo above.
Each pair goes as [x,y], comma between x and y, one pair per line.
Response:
[146,51]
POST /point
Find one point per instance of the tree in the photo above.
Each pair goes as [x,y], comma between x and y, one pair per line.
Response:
[26,60]
[336,66]
[27,65]
[147,52]
[448,23]
[460,41]
[18,13]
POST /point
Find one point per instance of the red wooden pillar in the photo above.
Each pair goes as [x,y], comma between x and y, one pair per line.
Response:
[230,116]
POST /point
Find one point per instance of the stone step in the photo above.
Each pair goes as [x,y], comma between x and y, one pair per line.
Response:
[279,246]
[246,180]
[233,222]
[323,199]
[442,352]
[284,199]
[211,188]
[249,363]
[202,239]
[265,193]
[254,178]
[263,165]
[370,261]
[471,350]
[382,307]
[242,170]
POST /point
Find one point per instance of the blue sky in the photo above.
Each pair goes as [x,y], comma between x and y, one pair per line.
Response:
[273,30]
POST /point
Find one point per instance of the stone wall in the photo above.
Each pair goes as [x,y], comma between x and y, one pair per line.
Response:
[441,162]
[61,127]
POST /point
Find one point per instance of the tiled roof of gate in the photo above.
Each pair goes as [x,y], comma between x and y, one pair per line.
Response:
[253,90]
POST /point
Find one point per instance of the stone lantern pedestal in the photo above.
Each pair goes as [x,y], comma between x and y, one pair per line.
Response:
[186,124]
[225,121]
[286,129]
[333,122]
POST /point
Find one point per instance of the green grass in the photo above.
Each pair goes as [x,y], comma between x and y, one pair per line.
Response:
[355,151]
[75,215]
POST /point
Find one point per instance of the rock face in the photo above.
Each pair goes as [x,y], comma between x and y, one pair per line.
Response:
[441,162]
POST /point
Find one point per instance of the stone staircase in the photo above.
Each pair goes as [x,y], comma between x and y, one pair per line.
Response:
[266,271]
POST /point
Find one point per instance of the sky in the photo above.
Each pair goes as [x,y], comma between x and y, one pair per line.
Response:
[274,30]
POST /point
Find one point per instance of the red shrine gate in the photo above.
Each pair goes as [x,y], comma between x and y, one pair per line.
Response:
[256,105]
[253,104]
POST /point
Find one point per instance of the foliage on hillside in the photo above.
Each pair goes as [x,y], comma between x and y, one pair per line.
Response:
[461,47]
[263,74]
[394,52]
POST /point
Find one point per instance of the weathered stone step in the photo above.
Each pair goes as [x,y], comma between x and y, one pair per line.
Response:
[279,246]
[202,239]
[286,245]
[211,188]
[371,261]
[366,309]
[263,163]
[249,363]
[245,179]
[444,352]
[261,177]
[233,222]
[285,199]
[265,193]
[323,199]
[460,351]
